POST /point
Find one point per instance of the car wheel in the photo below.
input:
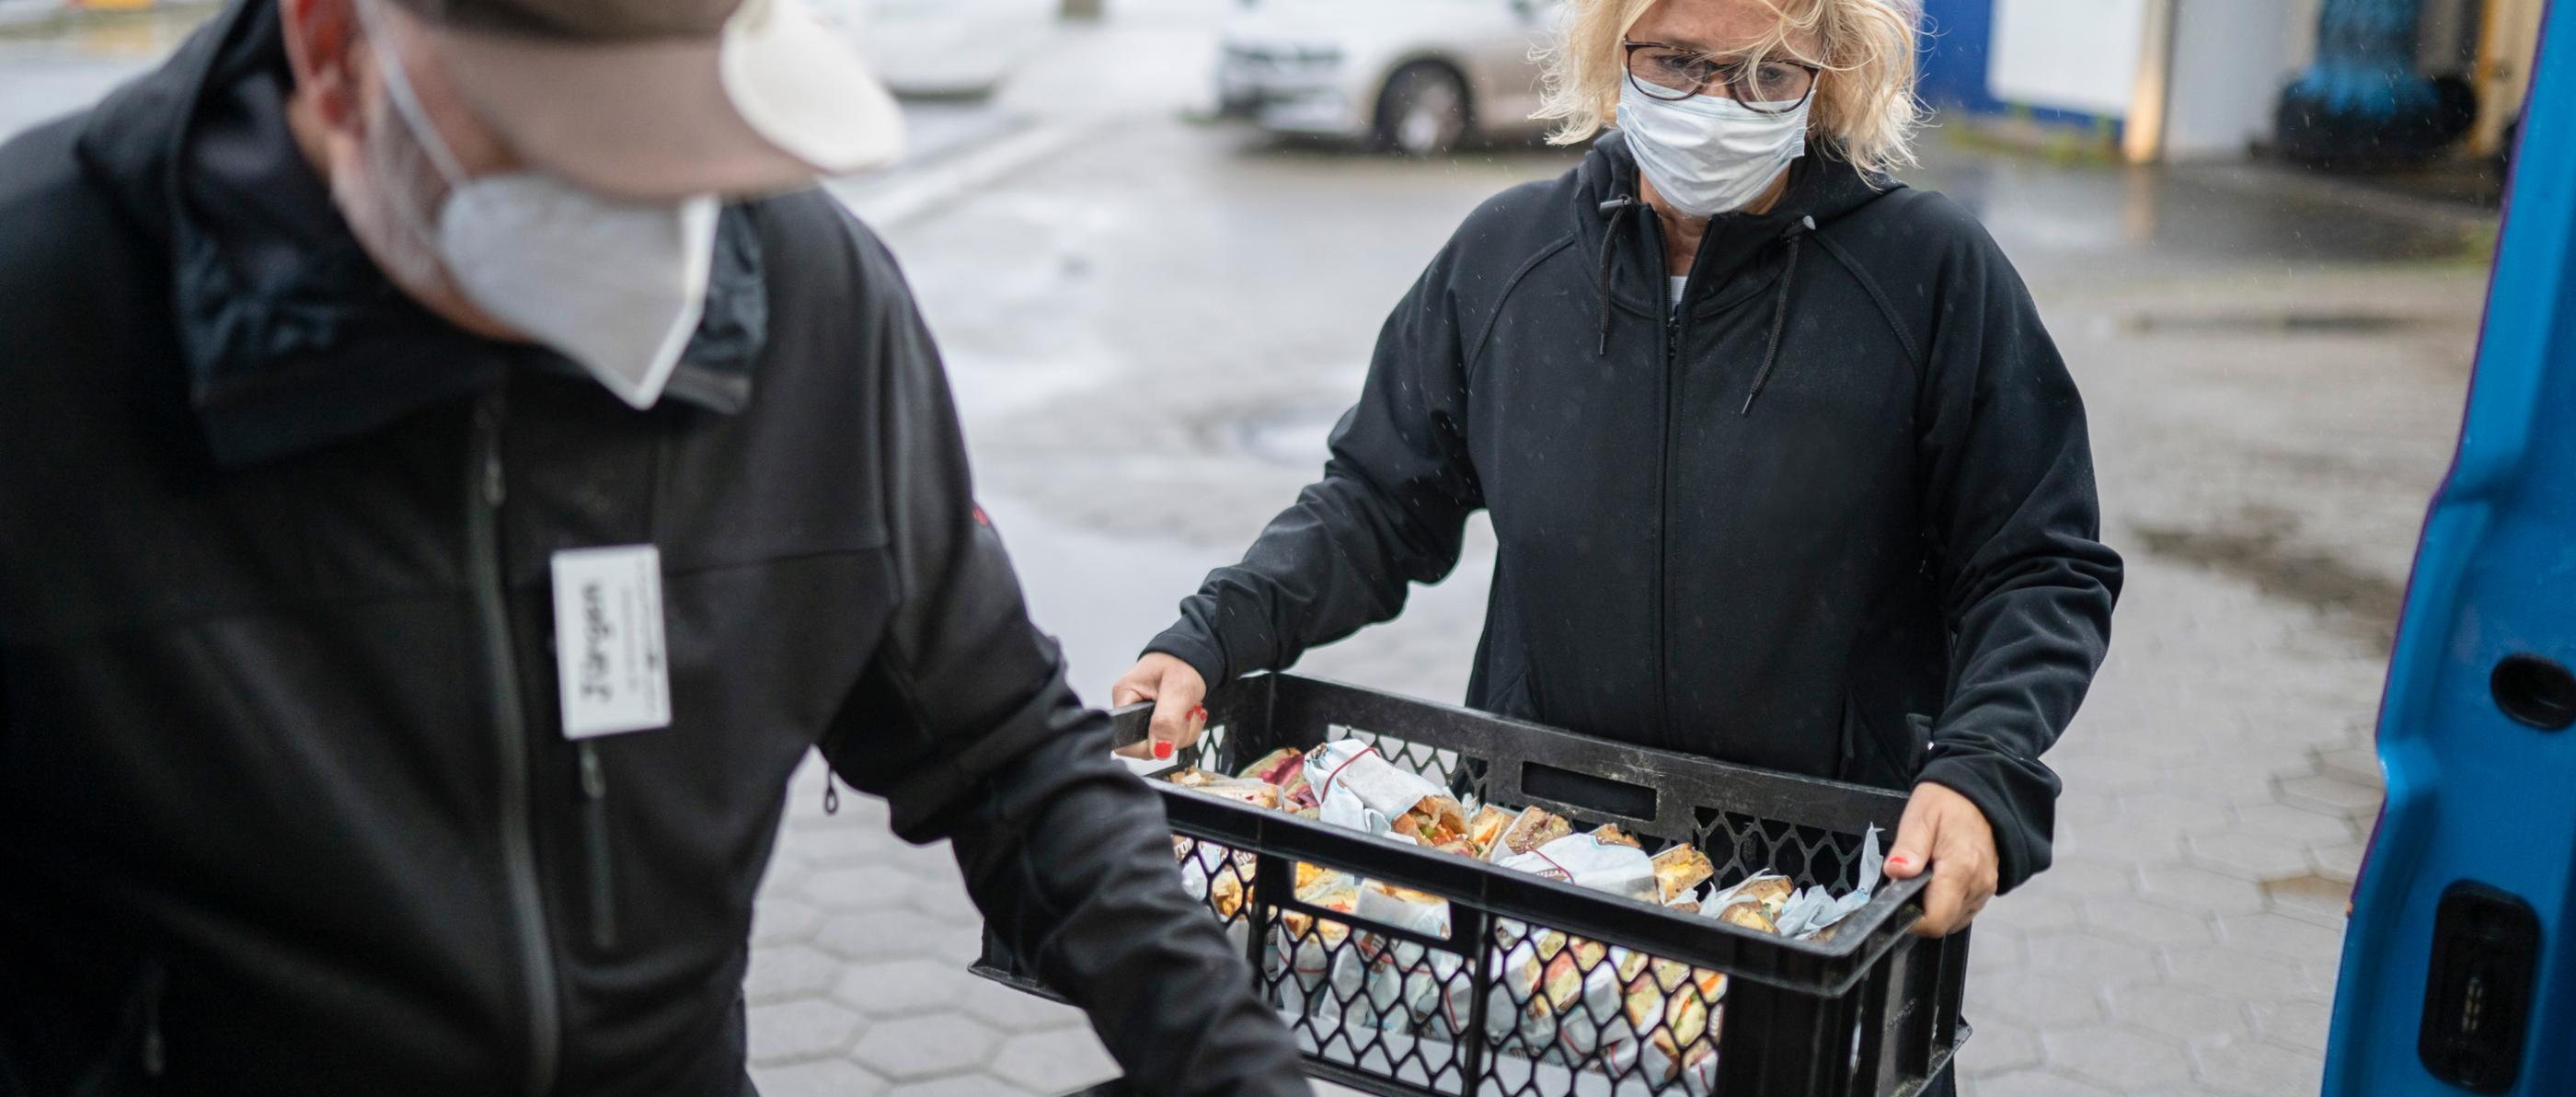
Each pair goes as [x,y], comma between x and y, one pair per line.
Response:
[1424,110]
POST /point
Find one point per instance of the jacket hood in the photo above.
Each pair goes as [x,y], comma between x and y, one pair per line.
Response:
[290,335]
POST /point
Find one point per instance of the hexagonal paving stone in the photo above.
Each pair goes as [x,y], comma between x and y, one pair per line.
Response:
[2339,863]
[2247,856]
[1060,1061]
[888,934]
[2179,1012]
[2032,910]
[2168,813]
[2301,1025]
[2199,891]
[2121,842]
[2116,1057]
[2312,899]
[2280,938]
[1016,1011]
[2036,1083]
[855,888]
[899,988]
[787,972]
[2296,825]
[1997,1047]
[959,1085]
[2035,998]
[807,1029]
[2235,975]
[2353,766]
[2329,793]
[2091,956]
[819,1078]
[783,921]
[914,1048]
[2145,922]
[2258,1069]
[840,846]
[2076,875]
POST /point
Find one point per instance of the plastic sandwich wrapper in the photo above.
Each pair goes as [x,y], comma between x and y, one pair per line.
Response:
[1553,997]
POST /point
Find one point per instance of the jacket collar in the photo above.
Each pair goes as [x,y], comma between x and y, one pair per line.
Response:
[1822,186]
[291,337]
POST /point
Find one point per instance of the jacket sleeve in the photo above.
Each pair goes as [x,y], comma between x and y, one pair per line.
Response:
[964,723]
[1390,511]
[2026,584]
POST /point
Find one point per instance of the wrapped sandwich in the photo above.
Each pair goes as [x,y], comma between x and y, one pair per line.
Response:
[1362,791]
[1680,870]
[1532,828]
[1284,769]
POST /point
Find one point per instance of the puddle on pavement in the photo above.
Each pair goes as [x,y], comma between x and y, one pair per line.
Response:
[2260,552]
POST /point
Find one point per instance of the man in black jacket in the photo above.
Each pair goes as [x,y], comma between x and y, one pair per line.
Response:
[432,530]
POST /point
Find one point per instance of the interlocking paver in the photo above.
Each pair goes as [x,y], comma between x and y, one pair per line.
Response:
[2339,863]
[2358,765]
[1054,1062]
[805,1029]
[2106,961]
[2184,887]
[2332,792]
[2298,1024]
[2180,1012]
[912,1048]
[2296,824]
[1998,1047]
[2034,1083]
[782,921]
[2146,923]
[1012,1011]
[2037,998]
[895,934]
[2236,975]
[2167,813]
[2279,937]
[2247,855]
[818,1078]
[2258,1069]
[786,973]
[2116,1057]
[852,889]
[897,988]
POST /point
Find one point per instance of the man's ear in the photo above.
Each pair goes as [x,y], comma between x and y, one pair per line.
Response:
[326,47]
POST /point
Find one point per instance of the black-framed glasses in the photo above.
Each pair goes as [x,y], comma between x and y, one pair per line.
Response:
[1671,73]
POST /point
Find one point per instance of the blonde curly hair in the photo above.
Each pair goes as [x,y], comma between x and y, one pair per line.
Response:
[1865,108]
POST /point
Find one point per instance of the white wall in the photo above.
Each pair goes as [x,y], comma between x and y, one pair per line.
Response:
[2079,55]
[2230,59]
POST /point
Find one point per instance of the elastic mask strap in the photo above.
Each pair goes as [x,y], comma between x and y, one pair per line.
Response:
[406,101]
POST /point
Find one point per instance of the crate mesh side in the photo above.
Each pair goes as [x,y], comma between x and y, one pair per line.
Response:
[1564,1017]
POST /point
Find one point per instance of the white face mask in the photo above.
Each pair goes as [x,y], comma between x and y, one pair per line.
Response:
[616,287]
[1709,154]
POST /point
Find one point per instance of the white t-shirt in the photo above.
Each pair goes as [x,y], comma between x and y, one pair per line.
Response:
[1678,284]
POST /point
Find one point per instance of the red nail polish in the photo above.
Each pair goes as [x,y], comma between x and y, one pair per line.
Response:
[1162,750]
[1200,712]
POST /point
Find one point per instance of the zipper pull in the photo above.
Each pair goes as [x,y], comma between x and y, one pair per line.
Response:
[603,886]
[831,793]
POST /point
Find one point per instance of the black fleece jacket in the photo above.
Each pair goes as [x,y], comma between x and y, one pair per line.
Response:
[284,803]
[1834,515]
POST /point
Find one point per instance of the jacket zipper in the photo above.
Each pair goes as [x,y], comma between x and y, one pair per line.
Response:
[1664,489]
[603,886]
[484,495]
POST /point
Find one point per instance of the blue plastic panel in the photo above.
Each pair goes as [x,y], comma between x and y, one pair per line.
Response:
[2471,793]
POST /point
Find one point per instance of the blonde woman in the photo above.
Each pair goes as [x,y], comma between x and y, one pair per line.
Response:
[1784,468]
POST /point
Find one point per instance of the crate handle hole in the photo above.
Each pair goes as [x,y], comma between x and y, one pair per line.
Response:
[1583,790]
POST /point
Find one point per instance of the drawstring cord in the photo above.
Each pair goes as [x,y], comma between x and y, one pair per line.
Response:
[1779,312]
[1610,211]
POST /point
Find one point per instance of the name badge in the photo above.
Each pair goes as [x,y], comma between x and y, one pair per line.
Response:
[608,640]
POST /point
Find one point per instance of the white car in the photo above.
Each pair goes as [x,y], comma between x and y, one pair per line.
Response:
[1416,76]
[941,48]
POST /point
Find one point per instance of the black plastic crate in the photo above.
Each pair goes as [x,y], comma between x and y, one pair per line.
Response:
[1871,1012]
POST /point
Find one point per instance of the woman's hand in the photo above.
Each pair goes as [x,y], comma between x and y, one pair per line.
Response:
[1942,830]
[1176,690]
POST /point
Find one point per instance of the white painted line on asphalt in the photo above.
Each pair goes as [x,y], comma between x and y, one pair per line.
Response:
[908,195]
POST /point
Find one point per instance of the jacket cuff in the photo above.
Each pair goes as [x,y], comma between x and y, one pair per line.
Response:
[1205,657]
[2022,846]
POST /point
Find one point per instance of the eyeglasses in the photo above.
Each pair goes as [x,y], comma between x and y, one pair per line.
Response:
[1672,73]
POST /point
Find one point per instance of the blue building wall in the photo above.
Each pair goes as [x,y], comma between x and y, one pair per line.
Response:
[1954,54]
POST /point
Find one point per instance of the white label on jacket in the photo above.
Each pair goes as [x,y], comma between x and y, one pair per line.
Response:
[608,640]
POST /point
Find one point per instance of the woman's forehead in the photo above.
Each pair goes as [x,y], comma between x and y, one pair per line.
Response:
[1723,26]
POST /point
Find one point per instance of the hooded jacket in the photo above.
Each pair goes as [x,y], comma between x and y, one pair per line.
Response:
[285,807]
[1832,515]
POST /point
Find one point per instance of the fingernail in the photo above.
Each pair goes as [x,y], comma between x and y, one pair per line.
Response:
[1162,751]
[1898,862]
[1200,712]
